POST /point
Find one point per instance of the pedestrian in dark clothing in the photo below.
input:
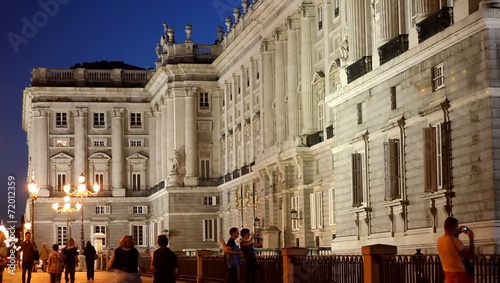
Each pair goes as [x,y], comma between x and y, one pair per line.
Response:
[125,261]
[163,262]
[232,256]
[28,248]
[251,264]
[90,256]
[70,256]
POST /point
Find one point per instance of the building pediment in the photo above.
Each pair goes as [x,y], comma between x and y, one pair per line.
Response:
[99,156]
[136,157]
[61,156]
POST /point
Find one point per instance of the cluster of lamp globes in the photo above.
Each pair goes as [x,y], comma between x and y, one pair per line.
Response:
[80,191]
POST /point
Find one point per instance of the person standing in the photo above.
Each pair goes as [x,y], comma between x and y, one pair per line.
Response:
[55,265]
[452,251]
[3,254]
[90,256]
[44,256]
[163,262]
[251,264]
[28,248]
[232,256]
[70,259]
[125,261]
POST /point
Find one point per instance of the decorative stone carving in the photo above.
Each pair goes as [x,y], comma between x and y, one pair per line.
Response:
[175,161]
[264,46]
[247,131]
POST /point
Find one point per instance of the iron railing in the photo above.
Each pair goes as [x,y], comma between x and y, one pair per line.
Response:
[186,268]
[393,48]
[334,268]
[435,23]
[270,269]
[359,68]
[213,269]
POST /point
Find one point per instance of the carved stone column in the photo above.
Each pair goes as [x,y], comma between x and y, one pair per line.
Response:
[159,139]
[356,29]
[191,178]
[279,87]
[151,142]
[117,152]
[292,80]
[170,135]
[80,158]
[268,89]
[306,70]
[425,8]
[40,154]
[164,139]
[389,21]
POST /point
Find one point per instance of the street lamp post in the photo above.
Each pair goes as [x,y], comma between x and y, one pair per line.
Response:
[82,191]
[33,193]
[66,208]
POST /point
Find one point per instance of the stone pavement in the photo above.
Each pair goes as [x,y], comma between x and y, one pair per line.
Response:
[81,277]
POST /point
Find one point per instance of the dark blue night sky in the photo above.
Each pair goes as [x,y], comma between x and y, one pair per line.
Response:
[60,33]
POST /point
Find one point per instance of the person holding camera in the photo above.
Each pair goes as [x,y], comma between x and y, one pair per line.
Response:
[455,257]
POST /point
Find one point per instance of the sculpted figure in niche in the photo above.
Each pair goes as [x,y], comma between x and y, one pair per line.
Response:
[175,161]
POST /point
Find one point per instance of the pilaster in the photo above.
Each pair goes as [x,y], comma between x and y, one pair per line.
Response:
[117,151]
[279,86]
[306,69]
[356,29]
[152,147]
[164,139]
[292,80]
[425,8]
[40,154]
[191,178]
[80,158]
[268,89]
[389,25]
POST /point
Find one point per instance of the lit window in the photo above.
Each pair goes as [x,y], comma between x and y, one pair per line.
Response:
[438,77]
[103,209]
[62,235]
[101,229]
[139,235]
[210,201]
[62,143]
[208,229]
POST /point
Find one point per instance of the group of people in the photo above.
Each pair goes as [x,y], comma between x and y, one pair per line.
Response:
[233,254]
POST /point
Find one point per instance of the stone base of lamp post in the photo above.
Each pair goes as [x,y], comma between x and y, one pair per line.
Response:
[270,237]
[173,179]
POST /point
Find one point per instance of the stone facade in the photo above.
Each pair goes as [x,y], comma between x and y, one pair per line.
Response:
[372,124]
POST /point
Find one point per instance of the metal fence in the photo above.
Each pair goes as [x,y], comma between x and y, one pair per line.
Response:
[213,269]
[186,268]
[427,269]
[333,268]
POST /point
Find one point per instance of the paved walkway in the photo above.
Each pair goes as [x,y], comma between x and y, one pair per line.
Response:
[81,277]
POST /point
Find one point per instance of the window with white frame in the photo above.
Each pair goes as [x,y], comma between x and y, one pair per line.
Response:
[210,201]
[103,209]
[205,169]
[320,17]
[135,120]
[438,77]
[392,158]
[61,235]
[99,179]
[101,229]
[139,209]
[61,180]
[331,207]
[321,111]
[62,143]
[61,120]
[358,179]
[316,205]
[209,230]
[139,234]
[359,109]
[436,156]
[99,143]
[204,100]
[295,206]
[136,181]
[99,120]
[135,143]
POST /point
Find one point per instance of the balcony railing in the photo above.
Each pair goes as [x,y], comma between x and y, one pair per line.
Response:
[315,138]
[435,23]
[227,177]
[236,174]
[209,182]
[393,48]
[329,132]
[359,68]
[338,268]
[245,170]
[186,268]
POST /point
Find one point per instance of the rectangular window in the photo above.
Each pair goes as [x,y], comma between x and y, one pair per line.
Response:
[210,201]
[358,179]
[438,77]
[248,77]
[99,121]
[316,205]
[392,169]
[321,111]
[436,157]
[139,234]
[135,143]
[61,120]
[135,120]
[62,235]
[238,84]
[99,143]
[336,8]
[394,104]
[359,108]
[99,179]
[295,207]
[61,180]
[136,181]
[331,207]
[62,143]
[320,17]
[139,209]
[101,229]
[209,230]
[257,73]
[205,169]
[103,209]
[204,102]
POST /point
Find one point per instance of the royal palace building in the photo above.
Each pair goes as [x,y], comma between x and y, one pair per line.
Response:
[327,123]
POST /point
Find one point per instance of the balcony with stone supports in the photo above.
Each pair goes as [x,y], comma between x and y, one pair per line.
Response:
[359,68]
[393,48]
[435,24]
[83,77]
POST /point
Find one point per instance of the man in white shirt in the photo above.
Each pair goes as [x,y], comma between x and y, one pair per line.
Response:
[451,250]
